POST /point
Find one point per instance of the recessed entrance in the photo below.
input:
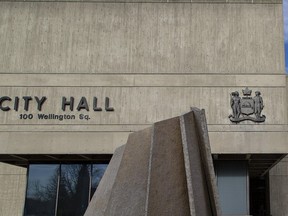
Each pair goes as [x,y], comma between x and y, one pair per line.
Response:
[259,196]
[243,182]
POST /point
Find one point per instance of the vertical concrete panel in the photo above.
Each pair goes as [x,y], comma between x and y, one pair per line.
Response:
[99,202]
[279,188]
[12,190]
[168,192]
[132,178]
[199,163]
[193,155]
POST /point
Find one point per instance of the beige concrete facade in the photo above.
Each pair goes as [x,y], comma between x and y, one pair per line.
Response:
[278,184]
[153,61]
[80,38]
[144,57]
[278,188]
[13,186]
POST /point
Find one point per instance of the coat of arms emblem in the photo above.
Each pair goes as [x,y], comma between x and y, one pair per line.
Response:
[247,107]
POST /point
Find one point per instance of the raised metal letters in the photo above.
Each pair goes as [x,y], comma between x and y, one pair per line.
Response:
[24,103]
[26,100]
[107,107]
[84,105]
[67,103]
[2,99]
[243,107]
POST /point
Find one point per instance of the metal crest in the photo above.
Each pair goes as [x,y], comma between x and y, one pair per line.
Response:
[247,107]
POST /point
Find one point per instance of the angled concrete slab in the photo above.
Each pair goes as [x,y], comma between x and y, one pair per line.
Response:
[163,170]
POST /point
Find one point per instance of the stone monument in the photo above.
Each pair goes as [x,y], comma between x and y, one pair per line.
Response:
[164,170]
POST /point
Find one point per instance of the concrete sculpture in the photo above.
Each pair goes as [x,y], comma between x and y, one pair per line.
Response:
[164,170]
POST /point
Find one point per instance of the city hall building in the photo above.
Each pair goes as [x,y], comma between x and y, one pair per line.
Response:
[77,77]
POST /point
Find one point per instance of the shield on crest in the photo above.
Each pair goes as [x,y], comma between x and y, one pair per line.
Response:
[247,106]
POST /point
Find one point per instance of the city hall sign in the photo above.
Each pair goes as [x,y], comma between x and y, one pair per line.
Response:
[66,104]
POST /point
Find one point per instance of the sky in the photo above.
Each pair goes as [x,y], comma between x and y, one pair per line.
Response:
[285,12]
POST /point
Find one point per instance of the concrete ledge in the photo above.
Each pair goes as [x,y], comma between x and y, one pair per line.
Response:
[245,143]
[61,143]
[133,127]
[135,80]
[106,143]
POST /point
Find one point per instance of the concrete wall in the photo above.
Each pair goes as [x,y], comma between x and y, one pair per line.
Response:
[152,60]
[278,184]
[279,188]
[83,38]
[12,192]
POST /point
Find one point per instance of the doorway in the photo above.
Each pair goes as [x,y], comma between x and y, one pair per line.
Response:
[259,196]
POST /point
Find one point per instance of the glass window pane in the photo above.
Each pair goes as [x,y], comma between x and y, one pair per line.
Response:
[97,173]
[232,185]
[73,189]
[41,190]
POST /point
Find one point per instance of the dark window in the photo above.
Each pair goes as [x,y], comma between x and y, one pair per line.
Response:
[62,190]
[74,189]
[41,190]
[97,173]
